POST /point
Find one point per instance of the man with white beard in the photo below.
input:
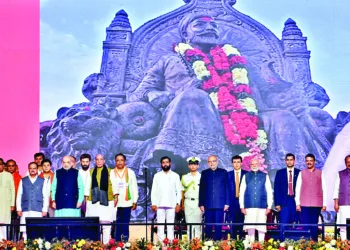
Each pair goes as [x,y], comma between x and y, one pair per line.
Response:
[256,200]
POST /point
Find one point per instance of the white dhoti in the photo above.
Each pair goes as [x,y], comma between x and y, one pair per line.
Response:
[107,214]
[255,215]
[193,214]
[343,214]
[3,233]
[23,220]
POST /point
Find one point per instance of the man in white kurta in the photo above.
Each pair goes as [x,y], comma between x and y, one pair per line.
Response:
[32,197]
[84,172]
[341,197]
[99,196]
[124,185]
[166,197]
[255,199]
[7,200]
[190,198]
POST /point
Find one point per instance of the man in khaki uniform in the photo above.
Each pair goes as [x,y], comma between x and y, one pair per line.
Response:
[190,197]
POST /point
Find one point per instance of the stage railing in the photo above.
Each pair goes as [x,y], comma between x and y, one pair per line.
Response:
[181,228]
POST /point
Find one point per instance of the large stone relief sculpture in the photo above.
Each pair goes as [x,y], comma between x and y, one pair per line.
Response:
[147,100]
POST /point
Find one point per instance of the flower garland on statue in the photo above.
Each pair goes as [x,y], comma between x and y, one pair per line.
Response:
[226,80]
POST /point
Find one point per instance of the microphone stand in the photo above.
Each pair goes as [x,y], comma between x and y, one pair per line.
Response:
[146,206]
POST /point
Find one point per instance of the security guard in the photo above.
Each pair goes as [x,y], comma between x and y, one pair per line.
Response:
[190,197]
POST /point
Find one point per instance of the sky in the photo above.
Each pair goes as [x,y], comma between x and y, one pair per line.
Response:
[72,32]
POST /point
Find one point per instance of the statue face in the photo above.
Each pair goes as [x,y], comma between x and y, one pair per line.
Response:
[202,31]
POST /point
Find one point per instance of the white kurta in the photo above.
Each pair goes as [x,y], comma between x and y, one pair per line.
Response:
[7,194]
[193,213]
[344,211]
[256,215]
[26,214]
[85,175]
[119,187]
[335,161]
[166,189]
[298,189]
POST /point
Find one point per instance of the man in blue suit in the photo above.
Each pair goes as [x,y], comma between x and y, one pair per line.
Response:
[234,179]
[214,197]
[284,190]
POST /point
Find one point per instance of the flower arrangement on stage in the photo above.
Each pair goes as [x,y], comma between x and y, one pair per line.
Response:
[176,244]
[225,79]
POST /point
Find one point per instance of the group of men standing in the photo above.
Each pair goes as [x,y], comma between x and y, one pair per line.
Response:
[111,194]
[246,196]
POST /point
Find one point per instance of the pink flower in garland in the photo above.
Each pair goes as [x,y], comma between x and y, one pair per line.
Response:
[238,60]
[242,88]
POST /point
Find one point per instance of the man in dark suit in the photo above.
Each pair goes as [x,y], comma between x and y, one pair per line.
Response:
[284,190]
[214,197]
[234,179]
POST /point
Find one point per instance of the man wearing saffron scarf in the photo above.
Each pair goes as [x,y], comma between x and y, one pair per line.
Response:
[99,195]
[12,168]
[124,186]
[32,197]
[67,190]
[48,176]
[311,194]
[7,204]
[255,199]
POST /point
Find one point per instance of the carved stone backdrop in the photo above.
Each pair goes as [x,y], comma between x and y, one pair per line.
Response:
[110,122]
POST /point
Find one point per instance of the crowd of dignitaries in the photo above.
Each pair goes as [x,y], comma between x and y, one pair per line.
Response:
[111,194]
[96,191]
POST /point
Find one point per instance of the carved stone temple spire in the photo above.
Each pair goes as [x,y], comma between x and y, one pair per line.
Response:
[296,54]
[115,54]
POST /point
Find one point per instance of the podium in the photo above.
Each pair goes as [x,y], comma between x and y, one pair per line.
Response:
[71,228]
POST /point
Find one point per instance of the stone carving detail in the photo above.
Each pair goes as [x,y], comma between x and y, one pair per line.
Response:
[113,122]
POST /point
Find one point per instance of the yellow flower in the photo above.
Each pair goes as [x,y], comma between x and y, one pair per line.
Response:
[14,248]
[240,75]
[74,246]
[200,69]
[270,240]
[182,47]
[249,104]
[214,98]
[83,242]
[230,50]
[80,244]
[269,247]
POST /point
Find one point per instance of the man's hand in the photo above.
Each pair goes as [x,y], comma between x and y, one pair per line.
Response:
[115,202]
[159,99]
[336,207]
[268,210]
[44,214]
[298,208]
[53,205]
[12,208]
[278,208]
[78,204]
[243,211]
[226,208]
[323,209]
[177,208]
[202,208]
[154,208]
[19,213]
[134,206]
